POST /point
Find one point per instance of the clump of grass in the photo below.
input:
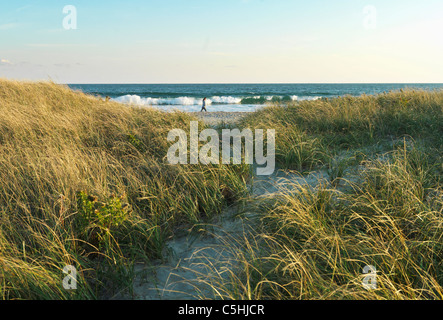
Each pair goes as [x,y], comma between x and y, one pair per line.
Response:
[299,151]
[57,148]
[338,166]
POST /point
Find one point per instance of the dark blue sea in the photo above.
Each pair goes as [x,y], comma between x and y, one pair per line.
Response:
[232,97]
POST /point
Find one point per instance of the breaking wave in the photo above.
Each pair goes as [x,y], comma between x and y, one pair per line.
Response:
[215,100]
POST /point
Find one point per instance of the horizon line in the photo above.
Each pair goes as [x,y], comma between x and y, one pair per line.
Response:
[230,83]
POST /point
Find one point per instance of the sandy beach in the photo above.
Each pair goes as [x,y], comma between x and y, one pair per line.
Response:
[214,118]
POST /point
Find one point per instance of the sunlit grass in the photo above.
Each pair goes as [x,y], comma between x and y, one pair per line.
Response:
[309,133]
[85,182]
[314,241]
[59,148]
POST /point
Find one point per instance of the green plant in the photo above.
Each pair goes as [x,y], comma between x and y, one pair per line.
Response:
[136,142]
[98,219]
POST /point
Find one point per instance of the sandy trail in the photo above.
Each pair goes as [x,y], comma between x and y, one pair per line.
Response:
[208,249]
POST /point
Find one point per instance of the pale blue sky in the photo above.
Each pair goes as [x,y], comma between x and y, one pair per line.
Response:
[222,41]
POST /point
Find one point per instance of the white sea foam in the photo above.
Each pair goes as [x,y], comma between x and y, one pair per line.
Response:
[180,101]
[190,104]
[137,100]
[309,98]
[216,103]
[225,100]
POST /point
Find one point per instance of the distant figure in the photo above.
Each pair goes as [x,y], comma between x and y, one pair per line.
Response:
[203,106]
[108,98]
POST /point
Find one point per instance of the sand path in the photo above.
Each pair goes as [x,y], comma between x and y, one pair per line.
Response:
[209,250]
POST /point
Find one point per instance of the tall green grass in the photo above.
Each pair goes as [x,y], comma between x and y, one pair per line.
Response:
[312,132]
[316,238]
[314,241]
[85,182]
[381,206]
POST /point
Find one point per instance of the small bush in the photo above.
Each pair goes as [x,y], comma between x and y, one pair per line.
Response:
[98,219]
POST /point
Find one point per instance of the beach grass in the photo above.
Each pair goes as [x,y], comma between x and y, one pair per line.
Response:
[380,207]
[314,242]
[85,182]
[310,133]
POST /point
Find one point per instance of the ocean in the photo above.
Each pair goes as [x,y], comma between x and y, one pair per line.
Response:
[231,97]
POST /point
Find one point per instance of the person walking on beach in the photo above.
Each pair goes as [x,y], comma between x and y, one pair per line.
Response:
[203,106]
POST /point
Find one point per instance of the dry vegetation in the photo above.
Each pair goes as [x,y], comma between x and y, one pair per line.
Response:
[382,205]
[85,182]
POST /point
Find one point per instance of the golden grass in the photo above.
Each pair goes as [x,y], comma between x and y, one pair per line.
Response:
[311,132]
[85,183]
[55,143]
[315,241]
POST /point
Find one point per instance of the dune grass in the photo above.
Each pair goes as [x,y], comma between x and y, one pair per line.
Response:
[85,182]
[311,133]
[314,240]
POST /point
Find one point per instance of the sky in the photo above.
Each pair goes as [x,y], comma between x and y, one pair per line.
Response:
[222,41]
